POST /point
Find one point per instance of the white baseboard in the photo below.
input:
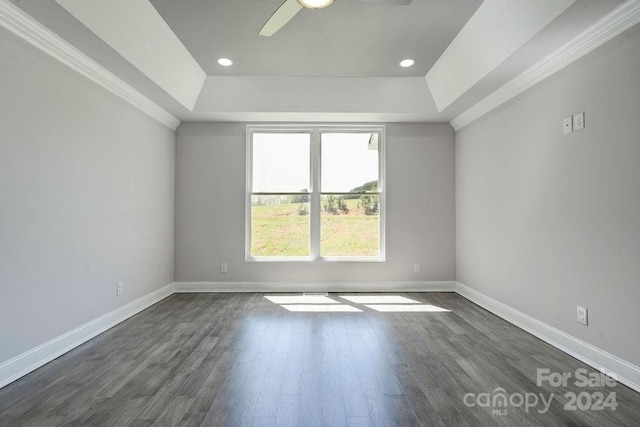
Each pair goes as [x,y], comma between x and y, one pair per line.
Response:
[623,371]
[31,360]
[443,286]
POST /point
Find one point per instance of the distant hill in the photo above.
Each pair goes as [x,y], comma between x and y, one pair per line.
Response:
[371,186]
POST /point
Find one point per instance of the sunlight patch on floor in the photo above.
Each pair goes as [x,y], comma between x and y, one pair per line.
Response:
[389,308]
[322,308]
[301,299]
[380,303]
[379,299]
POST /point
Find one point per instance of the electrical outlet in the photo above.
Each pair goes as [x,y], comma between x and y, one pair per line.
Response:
[582,315]
[416,268]
[578,121]
[567,125]
[223,267]
[119,288]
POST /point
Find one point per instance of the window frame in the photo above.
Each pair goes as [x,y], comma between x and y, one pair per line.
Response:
[315,191]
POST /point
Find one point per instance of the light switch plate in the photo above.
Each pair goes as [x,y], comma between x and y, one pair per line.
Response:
[578,121]
[567,125]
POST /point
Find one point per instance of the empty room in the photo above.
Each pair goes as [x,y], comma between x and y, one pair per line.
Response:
[319,213]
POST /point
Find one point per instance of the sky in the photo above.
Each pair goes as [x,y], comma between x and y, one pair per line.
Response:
[281,162]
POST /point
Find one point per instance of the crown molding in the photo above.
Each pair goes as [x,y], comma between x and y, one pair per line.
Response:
[619,20]
[24,26]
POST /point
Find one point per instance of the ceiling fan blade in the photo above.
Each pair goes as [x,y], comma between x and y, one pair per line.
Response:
[280,17]
[389,2]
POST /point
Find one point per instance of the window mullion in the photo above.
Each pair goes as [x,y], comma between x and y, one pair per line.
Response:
[315,208]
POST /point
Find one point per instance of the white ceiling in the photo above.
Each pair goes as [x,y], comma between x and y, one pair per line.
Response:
[335,64]
[348,38]
[144,39]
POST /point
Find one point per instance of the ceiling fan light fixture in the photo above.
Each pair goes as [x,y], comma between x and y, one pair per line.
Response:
[315,4]
[405,63]
[225,62]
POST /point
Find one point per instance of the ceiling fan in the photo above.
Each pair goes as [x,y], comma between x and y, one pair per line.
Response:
[290,8]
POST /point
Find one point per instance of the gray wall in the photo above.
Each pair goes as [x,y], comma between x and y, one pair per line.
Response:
[547,221]
[210,203]
[86,196]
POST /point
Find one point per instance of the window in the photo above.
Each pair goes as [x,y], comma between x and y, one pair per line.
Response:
[315,193]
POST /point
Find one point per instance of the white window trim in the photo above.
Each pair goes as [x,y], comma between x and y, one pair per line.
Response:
[314,193]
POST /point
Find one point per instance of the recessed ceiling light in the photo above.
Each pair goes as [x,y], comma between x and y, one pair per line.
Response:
[315,4]
[225,62]
[407,63]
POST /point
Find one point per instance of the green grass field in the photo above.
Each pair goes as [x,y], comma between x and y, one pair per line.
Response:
[279,230]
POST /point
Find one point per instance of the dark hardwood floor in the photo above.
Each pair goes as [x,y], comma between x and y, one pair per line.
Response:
[240,359]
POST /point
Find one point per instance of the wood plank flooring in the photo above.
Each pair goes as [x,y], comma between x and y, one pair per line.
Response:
[241,360]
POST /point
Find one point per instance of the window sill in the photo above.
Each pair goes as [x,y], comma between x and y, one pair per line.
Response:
[312,260]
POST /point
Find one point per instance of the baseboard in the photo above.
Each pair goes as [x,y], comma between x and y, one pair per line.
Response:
[31,360]
[625,372]
[443,286]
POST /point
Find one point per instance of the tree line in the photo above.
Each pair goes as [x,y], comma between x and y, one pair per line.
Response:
[336,205]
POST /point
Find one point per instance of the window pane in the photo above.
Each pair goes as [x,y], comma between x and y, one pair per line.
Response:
[349,162]
[280,225]
[281,162]
[350,226]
